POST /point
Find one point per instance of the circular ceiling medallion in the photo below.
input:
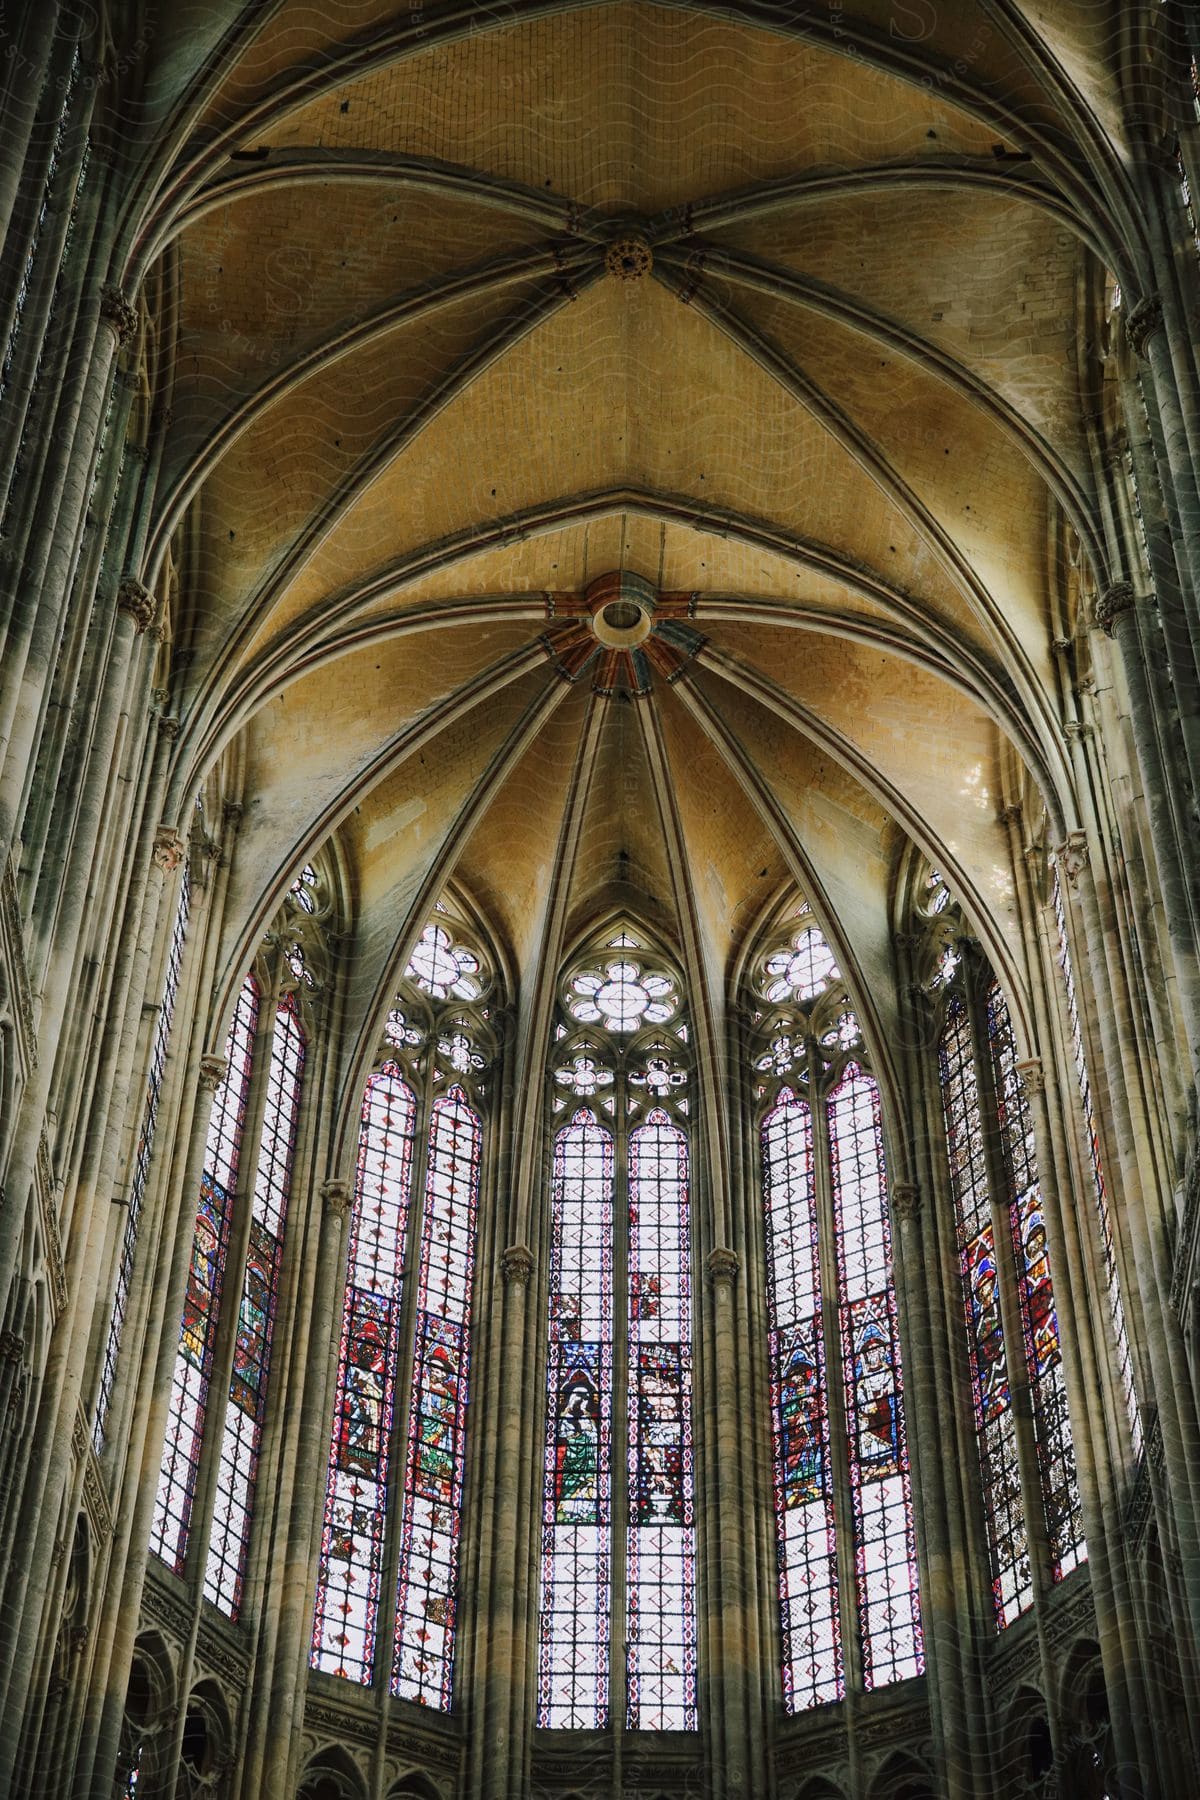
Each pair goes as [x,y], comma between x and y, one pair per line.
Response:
[622,609]
[628,258]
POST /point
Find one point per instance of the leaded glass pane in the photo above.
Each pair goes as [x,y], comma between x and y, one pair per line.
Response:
[889,1616]
[188,1403]
[661,1568]
[433,1478]
[573,1650]
[242,1432]
[808,1584]
[995,1426]
[1039,1318]
[343,1640]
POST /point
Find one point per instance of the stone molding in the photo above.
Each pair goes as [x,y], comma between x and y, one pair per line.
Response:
[517,1265]
[1116,599]
[723,1265]
[212,1072]
[12,953]
[1142,321]
[135,598]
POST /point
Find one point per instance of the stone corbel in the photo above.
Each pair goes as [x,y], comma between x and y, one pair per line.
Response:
[169,849]
[1072,855]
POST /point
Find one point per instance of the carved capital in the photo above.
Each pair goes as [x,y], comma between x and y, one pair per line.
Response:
[337,1197]
[135,598]
[723,1266]
[1033,1076]
[169,849]
[118,313]
[1142,321]
[517,1264]
[1116,599]
[1010,815]
[1072,855]
[12,1347]
[906,1200]
[907,940]
[1076,730]
[231,814]
[169,726]
[213,1070]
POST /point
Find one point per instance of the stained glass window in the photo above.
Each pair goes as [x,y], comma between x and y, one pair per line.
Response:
[831,1318]
[1116,1309]
[884,1547]
[995,1425]
[401,1407]
[142,1156]
[433,1480]
[804,1515]
[619,1366]
[1039,1318]
[356,1493]
[573,1657]
[241,1438]
[188,1403]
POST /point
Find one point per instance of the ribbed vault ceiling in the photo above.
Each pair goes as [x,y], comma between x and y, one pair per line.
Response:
[414,413]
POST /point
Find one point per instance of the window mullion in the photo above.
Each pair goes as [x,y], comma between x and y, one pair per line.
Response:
[1000,1199]
[835,1397]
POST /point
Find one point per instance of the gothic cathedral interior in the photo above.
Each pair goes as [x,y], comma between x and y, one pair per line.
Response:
[599,900]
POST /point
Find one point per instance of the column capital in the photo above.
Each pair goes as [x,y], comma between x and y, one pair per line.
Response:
[517,1264]
[212,1072]
[1033,1076]
[118,312]
[12,1347]
[723,1265]
[169,849]
[135,598]
[337,1197]
[1116,599]
[1072,855]
[1142,321]
[906,1200]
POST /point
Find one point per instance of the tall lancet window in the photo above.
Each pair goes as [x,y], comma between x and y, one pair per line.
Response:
[219,1390]
[618,1577]
[391,1544]
[1030,1493]
[848,1590]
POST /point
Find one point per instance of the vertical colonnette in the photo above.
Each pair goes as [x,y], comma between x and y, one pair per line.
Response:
[849,1601]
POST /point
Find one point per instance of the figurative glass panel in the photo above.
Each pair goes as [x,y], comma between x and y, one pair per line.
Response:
[885,1550]
[142,1156]
[573,1648]
[188,1403]
[433,1480]
[808,1583]
[343,1641]
[241,1436]
[661,1559]
[995,1426]
[1116,1308]
[1039,1319]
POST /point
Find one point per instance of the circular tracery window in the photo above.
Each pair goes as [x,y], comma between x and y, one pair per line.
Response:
[801,972]
[623,996]
[441,967]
